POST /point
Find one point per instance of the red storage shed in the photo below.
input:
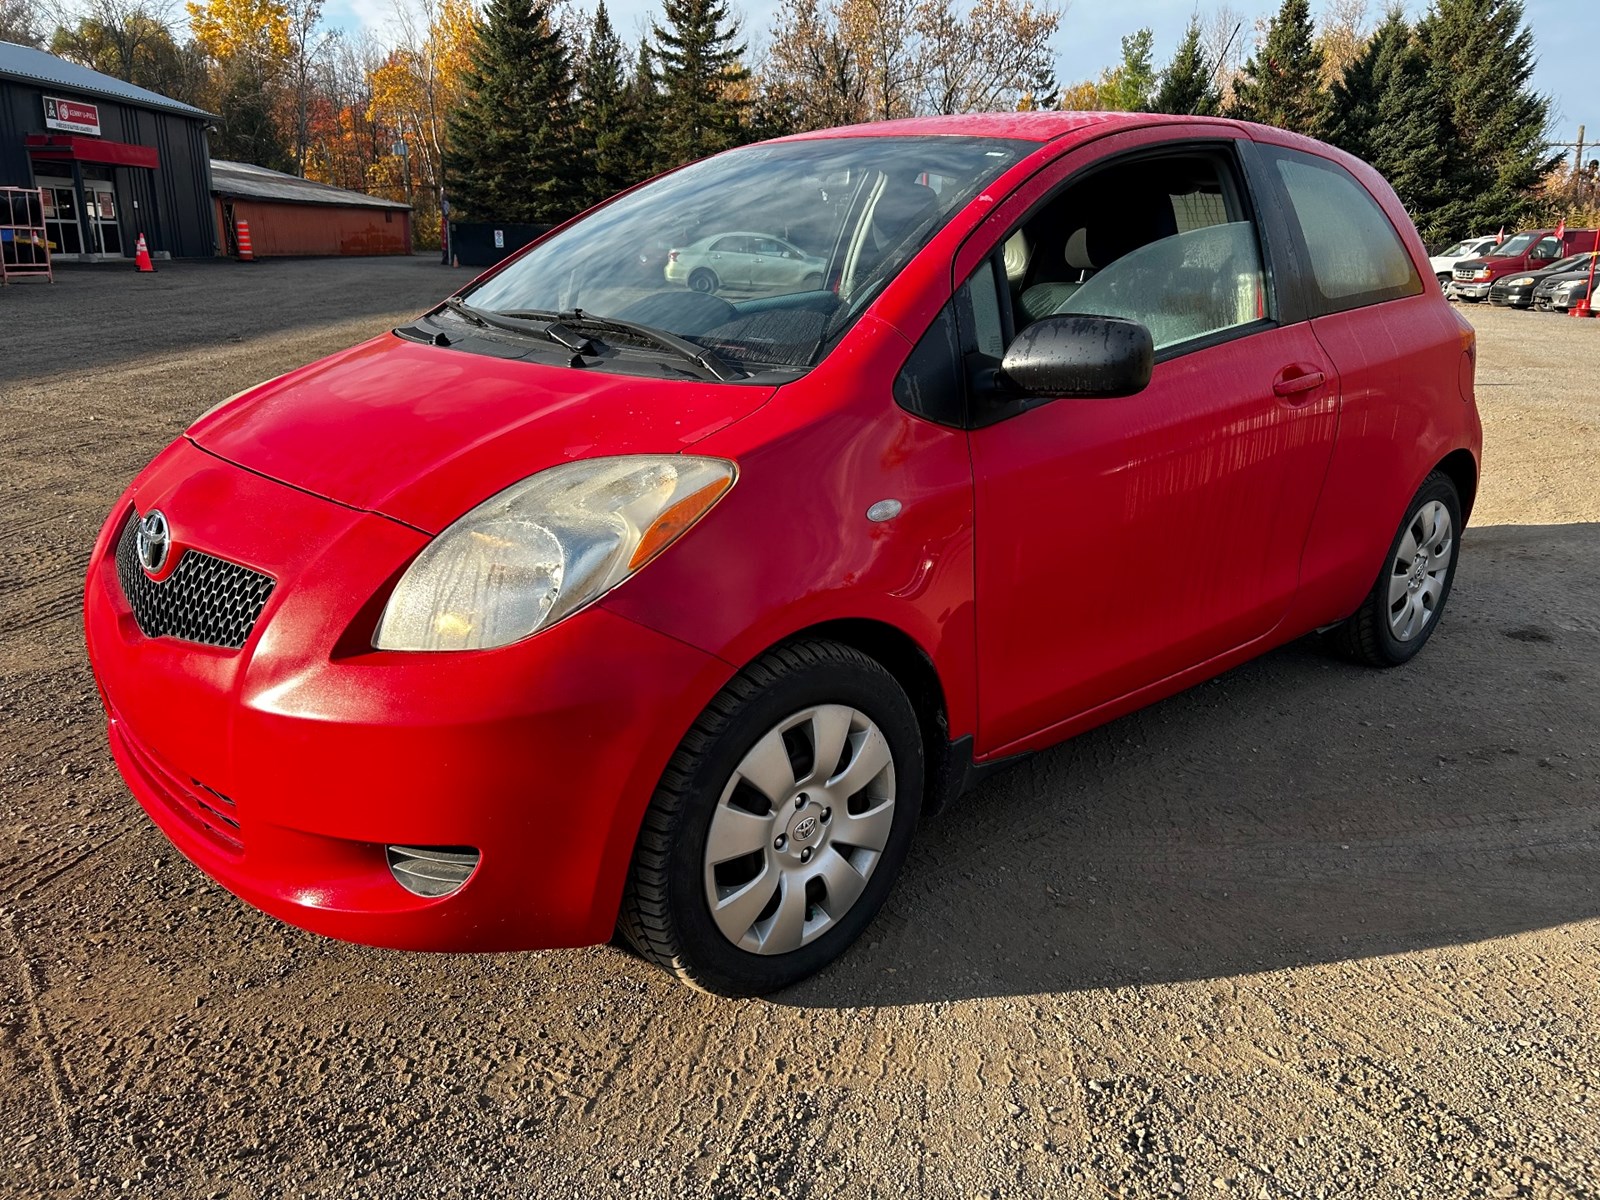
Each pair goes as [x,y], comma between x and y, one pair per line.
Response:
[290,216]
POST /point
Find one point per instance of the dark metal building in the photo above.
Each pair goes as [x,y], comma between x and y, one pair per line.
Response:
[114,160]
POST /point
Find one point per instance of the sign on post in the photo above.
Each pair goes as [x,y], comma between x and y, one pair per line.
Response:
[499,239]
[74,116]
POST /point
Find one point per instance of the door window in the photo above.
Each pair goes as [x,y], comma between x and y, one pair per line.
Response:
[1167,242]
[1356,257]
[61,216]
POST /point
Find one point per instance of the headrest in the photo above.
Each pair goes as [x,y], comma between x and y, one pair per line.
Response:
[1016,255]
[1078,251]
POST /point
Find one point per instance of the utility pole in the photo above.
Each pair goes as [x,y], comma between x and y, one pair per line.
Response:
[1576,147]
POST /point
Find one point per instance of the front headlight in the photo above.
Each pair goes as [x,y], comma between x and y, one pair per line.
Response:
[1520,281]
[543,548]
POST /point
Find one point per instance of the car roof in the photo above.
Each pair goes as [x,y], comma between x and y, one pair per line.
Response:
[1026,126]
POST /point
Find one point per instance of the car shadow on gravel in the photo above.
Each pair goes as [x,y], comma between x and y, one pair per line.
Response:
[1297,810]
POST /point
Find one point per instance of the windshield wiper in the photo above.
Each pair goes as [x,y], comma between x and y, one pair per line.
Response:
[707,360]
[550,329]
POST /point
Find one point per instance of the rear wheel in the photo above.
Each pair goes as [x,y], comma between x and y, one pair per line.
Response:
[780,824]
[702,280]
[1401,612]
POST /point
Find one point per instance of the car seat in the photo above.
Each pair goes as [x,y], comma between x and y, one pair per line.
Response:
[1047,296]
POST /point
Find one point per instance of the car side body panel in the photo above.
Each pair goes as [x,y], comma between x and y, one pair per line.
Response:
[1407,368]
[792,547]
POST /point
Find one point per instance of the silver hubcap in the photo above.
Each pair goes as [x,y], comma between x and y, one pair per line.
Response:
[799,829]
[1421,565]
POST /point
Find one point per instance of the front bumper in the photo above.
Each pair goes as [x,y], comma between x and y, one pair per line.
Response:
[1472,290]
[1511,297]
[542,755]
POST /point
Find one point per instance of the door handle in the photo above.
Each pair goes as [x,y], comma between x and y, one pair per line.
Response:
[1291,381]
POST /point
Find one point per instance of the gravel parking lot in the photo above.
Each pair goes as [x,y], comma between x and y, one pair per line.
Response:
[1308,930]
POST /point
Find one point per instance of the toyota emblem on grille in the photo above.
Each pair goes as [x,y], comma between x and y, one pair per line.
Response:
[153,541]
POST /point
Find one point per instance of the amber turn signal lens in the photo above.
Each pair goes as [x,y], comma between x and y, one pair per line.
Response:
[666,528]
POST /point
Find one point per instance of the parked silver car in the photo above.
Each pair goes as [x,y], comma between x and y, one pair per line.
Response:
[744,261]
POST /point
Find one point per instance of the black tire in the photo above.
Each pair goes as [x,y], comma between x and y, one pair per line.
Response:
[665,912]
[1367,636]
[812,282]
[703,280]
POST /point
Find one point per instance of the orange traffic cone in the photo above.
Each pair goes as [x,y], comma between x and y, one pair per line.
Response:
[1580,308]
[141,256]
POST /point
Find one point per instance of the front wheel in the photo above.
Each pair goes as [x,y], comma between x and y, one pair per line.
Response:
[703,281]
[1401,612]
[780,824]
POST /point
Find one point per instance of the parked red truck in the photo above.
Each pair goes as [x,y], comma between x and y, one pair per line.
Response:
[1532,248]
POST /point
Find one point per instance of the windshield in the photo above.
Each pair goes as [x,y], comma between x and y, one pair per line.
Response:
[1516,246]
[1459,250]
[763,255]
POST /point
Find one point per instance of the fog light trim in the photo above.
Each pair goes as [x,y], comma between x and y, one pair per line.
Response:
[431,871]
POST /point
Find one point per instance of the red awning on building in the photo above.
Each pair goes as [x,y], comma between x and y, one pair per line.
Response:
[91,150]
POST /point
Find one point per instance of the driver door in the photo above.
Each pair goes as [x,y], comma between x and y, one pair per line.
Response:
[1122,541]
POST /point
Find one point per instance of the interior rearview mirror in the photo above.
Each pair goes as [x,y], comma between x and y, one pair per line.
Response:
[1080,356]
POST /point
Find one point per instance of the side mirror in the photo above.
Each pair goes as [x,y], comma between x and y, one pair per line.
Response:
[1080,356]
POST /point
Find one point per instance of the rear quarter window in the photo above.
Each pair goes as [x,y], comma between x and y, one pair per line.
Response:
[1353,254]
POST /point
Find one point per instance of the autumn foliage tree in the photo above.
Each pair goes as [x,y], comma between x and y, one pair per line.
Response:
[129,40]
[858,60]
[247,44]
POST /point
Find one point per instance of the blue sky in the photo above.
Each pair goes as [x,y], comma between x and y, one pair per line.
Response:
[1566,34]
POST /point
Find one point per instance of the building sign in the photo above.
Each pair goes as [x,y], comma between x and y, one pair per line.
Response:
[74,116]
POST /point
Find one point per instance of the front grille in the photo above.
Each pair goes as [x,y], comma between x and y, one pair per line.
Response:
[1465,273]
[208,811]
[205,599]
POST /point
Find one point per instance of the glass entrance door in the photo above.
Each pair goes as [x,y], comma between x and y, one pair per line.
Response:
[105,234]
[61,215]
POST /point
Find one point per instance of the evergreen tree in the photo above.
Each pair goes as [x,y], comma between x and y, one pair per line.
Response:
[1186,87]
[1481,56]
[1414,145]
[513,154]
[609,131]
[644,105]
[704,82]
[1282,83]
[1131,84]
[1353,99]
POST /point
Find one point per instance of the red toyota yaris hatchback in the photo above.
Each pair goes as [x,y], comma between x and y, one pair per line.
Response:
[670,598]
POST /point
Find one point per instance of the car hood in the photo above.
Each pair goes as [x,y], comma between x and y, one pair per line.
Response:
[1568,276]
[423,433]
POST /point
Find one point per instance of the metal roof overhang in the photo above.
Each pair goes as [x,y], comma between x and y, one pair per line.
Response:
[91,150]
